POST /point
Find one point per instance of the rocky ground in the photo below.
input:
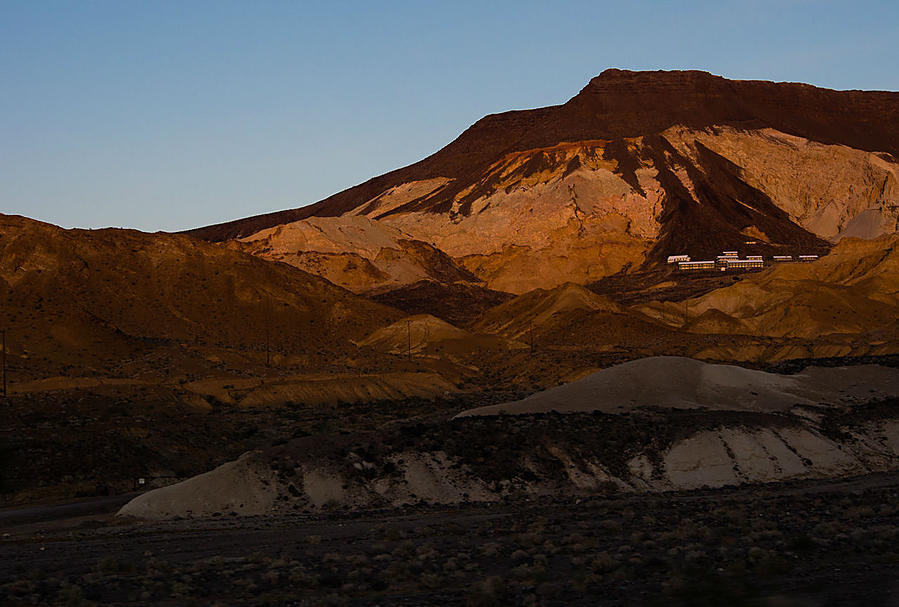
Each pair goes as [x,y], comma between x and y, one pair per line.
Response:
[806,543]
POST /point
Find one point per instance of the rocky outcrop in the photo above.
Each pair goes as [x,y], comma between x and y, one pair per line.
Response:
[354,252]
[830,190]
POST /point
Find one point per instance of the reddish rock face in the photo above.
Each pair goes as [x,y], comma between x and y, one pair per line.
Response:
[635,167]
[620,104]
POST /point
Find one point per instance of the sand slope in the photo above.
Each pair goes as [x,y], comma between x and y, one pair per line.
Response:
[684,383]
[243,486]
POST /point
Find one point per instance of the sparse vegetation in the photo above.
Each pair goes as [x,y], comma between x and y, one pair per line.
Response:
[771,546]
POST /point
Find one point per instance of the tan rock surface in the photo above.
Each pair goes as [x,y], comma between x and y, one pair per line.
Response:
[831,190]
[540,308]
[354,252]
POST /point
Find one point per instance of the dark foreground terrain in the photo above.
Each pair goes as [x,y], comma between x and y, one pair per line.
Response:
[809,543]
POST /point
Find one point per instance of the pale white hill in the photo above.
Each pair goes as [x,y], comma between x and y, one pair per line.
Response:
[683,383]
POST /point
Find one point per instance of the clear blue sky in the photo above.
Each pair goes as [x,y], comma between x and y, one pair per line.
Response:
[169,115]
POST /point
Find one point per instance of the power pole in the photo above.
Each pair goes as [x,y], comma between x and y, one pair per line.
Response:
[4,363]
[685,312]
[409,339]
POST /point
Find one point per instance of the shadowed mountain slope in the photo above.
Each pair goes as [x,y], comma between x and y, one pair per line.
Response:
[95,298]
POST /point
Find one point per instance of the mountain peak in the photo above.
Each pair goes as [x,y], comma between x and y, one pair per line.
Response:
[615,106]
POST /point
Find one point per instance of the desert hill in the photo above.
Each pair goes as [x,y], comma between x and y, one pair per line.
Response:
[95,300]
[638,166]
[428,335]
[355,252]
[539,307]
[456,303]
[685,383]
[657,424]
[571,317]
[852,291]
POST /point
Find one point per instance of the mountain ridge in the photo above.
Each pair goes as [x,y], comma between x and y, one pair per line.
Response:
[615,105]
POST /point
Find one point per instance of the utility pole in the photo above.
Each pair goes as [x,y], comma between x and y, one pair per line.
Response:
[4,363]
[685,312]
[409,339]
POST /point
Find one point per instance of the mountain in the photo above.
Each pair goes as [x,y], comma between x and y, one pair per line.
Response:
[635,167]
[127,302]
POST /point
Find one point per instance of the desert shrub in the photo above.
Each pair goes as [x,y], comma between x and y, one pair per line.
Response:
[773,564]
[611,525]
[111,564]
[801,543]
[490,549]
[604,562]
[331,578]
[527,539]
[71,595]
[430,580]
[298,576]
[404,549]
[519,555]
[493,591]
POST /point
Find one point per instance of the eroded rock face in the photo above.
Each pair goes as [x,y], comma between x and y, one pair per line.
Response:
[578,212]
[392,473]
[636,167]
[614,106]
[830,190]
[354,252]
